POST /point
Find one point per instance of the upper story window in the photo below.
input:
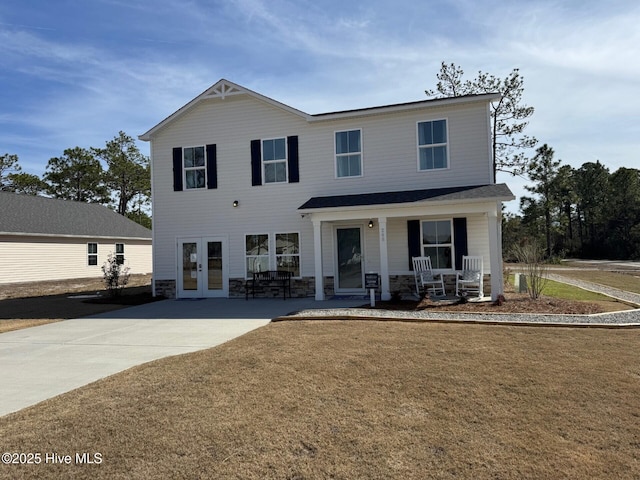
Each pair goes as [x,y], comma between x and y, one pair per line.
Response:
[432,145]
[349,153]
[195,167]
[274,160]
[195,172]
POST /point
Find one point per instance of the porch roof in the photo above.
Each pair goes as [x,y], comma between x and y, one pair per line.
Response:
[497,192]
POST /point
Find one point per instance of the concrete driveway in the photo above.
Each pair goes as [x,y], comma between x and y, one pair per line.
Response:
[45,361]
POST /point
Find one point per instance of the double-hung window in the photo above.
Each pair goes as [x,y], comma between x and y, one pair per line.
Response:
[288,253]
[349,153]
[261,255]
[195,171]
[432,145]
[257,253]
[92,254]
[437,243]
[120,253]
[274,160]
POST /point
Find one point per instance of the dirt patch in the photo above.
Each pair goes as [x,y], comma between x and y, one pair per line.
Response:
[37,303]
[59,287]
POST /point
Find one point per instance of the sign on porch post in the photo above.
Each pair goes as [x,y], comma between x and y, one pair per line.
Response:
[371,281]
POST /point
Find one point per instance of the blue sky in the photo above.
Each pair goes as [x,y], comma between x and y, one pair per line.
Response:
[74,73]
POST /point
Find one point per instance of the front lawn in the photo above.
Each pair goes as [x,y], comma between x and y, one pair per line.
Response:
[356,399]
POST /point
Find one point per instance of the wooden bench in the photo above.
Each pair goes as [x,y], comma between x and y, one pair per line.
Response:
[279,278]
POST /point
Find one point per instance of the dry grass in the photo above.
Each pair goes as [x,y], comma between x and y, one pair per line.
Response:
[8,325]
[350,400]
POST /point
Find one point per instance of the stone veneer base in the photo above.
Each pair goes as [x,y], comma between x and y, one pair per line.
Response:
[305,287]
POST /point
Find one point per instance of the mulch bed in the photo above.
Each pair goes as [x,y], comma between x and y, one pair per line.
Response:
[513,303]
[128,299]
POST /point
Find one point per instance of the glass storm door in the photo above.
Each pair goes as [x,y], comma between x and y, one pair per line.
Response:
[202,269]
[350,277]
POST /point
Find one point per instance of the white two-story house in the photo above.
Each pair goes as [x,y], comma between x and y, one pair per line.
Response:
[244,183]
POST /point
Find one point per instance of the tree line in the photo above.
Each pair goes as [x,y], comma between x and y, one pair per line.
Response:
[78,174]
[587,212]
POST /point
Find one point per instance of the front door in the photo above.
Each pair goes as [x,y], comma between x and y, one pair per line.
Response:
[350,270]
[202,267]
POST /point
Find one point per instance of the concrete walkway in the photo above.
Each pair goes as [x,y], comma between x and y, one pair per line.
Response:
[45,361]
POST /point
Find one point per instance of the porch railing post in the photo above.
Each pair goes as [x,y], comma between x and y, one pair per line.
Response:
[317,251]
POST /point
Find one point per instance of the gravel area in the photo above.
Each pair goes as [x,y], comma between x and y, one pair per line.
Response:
[629,317]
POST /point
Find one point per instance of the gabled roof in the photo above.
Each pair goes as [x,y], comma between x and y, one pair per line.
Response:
[221,89]
[469,193]
[30,215]
[224,88]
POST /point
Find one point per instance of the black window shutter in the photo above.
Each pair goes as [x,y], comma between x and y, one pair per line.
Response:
[256,163]
[177,169]
[212,167]
[413,237]
[460,240]
[294,171]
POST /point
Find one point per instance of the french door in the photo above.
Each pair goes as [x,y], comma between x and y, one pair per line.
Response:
[349,259]
[203,267]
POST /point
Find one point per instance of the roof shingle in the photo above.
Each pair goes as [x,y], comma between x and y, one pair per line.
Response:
[33,215]
[473,192]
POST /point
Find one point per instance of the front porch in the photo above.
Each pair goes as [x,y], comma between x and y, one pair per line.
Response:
[395,226]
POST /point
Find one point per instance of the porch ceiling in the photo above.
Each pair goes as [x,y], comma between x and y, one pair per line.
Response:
[473,193]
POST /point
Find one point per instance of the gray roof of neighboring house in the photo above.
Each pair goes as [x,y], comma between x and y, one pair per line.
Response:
[474,192]
[33,215]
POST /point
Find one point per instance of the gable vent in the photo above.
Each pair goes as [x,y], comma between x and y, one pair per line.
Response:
[223,90]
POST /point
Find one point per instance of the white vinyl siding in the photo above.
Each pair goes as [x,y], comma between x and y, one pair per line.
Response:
[28,259]
[389,150]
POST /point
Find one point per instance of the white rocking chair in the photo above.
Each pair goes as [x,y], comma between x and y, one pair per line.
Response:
[469,280]
[425,278]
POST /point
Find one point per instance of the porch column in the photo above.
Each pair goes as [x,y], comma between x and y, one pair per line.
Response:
[317,252]
[384,259]
[497,284]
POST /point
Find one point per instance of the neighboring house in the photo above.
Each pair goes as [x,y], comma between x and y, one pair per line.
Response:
[50,239]
[242,183]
